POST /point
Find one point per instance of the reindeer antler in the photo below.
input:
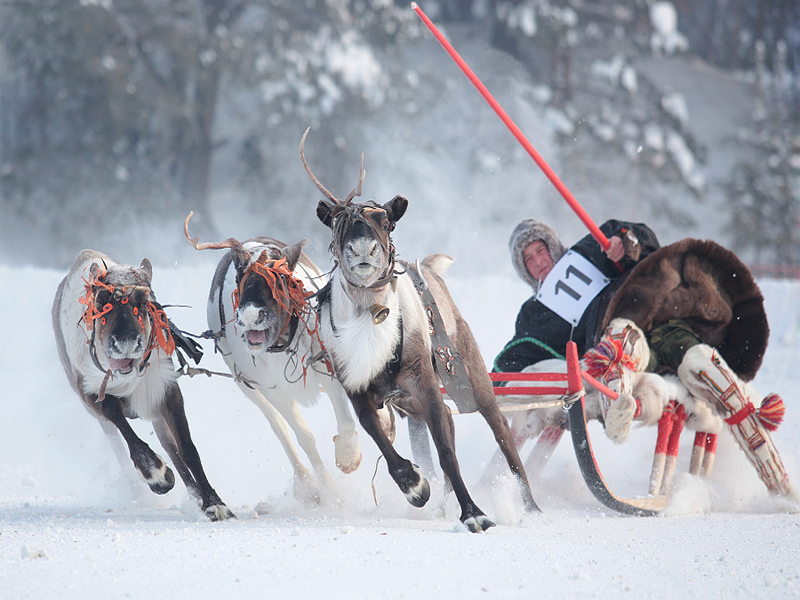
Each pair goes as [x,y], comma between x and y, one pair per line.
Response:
[232,243]
[320,187]
[356,191]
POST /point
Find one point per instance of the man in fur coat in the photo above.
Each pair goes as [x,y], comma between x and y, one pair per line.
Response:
[692,308]
[571,289]
[561,308]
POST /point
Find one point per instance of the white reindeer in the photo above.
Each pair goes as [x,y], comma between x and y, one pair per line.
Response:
[264,328]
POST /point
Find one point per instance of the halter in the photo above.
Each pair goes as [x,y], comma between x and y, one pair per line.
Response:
[160,333]
[343,217]
[290,294]
[287,290]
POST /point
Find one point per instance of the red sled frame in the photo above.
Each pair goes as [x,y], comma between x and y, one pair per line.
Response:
[572,394]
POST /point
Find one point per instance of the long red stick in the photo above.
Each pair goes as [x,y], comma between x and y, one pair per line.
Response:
[562,189]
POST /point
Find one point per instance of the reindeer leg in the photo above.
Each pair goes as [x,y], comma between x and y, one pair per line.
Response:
[487,405]
[420,445]
[304,487]
[407,477]
[442,428]
[497,464]
[290,411]
[170,445]
[186,456]
[150,465]
[347,447]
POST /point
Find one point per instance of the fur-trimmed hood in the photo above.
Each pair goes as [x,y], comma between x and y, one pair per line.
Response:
[707,286]
[529,231]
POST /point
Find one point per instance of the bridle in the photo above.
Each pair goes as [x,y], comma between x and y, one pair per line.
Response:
[287,291]
[343,217]
[160,333]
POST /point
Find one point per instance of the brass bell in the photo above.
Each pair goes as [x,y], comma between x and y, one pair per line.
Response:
[379,313]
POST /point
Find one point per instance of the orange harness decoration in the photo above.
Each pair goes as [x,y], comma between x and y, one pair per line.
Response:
[288,291]
[160,334]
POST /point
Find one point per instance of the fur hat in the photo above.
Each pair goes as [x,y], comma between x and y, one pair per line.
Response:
[529,231]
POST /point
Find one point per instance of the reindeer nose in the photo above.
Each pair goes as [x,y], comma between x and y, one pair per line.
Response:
[363,247]
[124,345]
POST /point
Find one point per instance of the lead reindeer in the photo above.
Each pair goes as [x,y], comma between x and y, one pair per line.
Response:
[378,332]
[264,328]
[114,341]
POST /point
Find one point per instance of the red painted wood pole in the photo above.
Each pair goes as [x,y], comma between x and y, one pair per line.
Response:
[549,173]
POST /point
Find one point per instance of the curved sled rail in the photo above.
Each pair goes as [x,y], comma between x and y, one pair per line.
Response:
[644,507]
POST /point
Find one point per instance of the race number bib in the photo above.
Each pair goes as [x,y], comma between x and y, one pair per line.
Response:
[571,286]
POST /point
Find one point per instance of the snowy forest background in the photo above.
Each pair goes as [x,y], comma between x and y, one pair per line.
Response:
[120,116]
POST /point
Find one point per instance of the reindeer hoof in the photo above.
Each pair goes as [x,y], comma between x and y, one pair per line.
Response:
[478,523]
[348,452]
[218,512]
[419,494]
[161,480]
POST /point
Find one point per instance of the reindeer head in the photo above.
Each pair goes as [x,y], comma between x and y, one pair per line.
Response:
[361,232]
[268,299]
[118,312]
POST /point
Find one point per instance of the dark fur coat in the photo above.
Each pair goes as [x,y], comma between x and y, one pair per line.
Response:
[710,289]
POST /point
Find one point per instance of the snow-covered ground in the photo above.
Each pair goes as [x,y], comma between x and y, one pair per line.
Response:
[72,526]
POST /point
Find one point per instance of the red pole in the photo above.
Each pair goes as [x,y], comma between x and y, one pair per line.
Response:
[559,185]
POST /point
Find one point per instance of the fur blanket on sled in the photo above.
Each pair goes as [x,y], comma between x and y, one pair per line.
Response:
[707,286]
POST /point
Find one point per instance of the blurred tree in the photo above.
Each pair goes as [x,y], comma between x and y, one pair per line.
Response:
[108,101]
[765,193]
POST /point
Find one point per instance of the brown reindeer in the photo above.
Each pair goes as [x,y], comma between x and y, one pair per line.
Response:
[376,319]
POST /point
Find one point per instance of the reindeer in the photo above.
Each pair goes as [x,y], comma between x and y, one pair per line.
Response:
[374,324]
[263,326]
[115,342]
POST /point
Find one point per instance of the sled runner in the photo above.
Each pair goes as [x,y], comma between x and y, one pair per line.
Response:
[569,387]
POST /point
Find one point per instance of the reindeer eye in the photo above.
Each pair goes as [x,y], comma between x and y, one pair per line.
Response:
[101,298]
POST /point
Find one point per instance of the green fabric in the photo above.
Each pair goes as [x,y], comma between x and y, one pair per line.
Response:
[669,342]
[529,340]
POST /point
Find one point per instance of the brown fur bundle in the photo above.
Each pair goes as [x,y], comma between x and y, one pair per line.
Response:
[708,287]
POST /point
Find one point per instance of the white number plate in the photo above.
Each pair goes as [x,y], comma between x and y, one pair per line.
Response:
[569,288]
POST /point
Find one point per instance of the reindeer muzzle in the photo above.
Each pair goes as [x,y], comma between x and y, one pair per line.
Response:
[379,313]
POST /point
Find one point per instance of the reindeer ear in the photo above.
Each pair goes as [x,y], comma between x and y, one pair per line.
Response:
[324,209]
[146,269]
[292,253]
[396,208]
